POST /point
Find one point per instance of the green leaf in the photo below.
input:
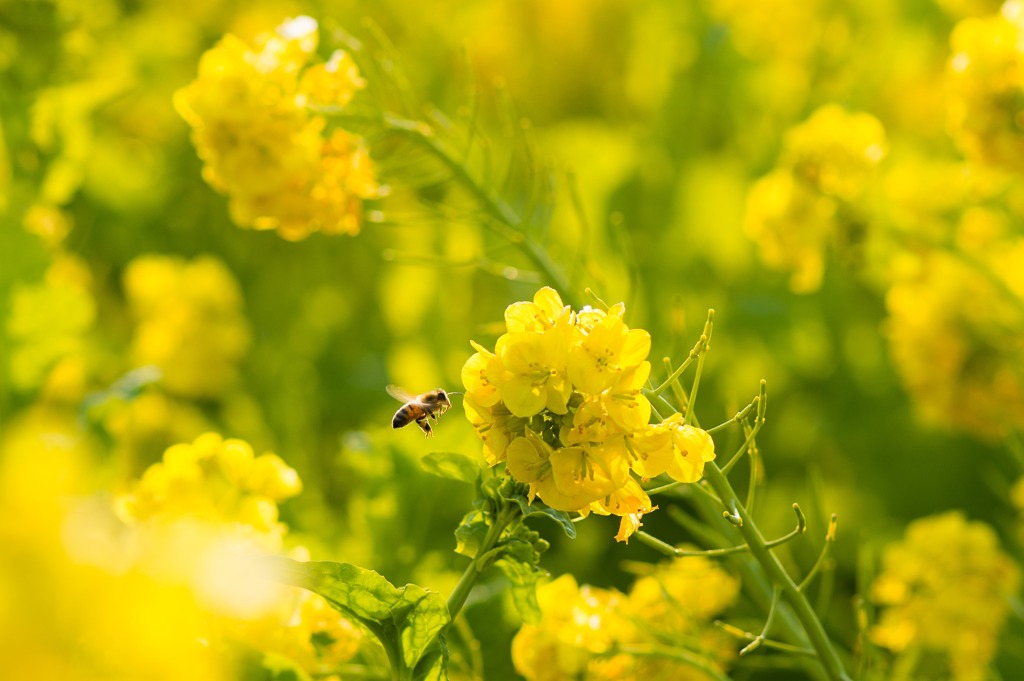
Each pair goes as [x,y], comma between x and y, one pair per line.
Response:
[452,465]
[405,620]
[523,578]
[538,507]
[433,666]
[470,534]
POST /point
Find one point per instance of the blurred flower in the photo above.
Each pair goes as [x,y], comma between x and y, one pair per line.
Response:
[67,585]
[49,223]
[956,320]
[679,601]
[589,633]
[578,624]
[776,29]
[945,588]
[190,322]
[560,399]
[148,423]
[986,109]
[200,515]
[167,571]
[811,201]
[835,152]
[255,125]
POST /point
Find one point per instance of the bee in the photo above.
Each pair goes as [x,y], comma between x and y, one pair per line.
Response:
[419,408]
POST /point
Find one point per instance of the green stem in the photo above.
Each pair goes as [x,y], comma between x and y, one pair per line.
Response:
[669,550]
[734,459]
[827,654]
[495,206]
[480,563]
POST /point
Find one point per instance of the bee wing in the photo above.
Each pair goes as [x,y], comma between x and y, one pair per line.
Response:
[400,394]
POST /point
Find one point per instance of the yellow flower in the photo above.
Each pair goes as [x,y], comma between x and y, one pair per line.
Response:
[49,223]
[264,145]
[475,376]
[812,199]
[495,426]
[985,116]
[945,588]
[608,350]
[533,373]
[567,478]
[545,312]
[629,501]
[578,624]
[581,626]
[672,447]
[217,480]
[625,402]
[835,152]
[954,335]
[791,226]
[679,601]
[560,401]
[591,472]
[684,592]
[190,322]
[333,83]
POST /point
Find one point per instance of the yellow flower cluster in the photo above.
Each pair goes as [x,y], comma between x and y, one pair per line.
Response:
[807,203]
[190,322]
[255,125]
[213,479]
[986,71]
[587,633]
[560,401]
[955,334]
[945,588]
[200,514]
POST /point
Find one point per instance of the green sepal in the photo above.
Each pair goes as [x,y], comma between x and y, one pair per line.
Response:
[452,465]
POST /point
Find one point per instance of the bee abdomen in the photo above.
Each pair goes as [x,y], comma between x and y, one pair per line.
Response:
[404,416]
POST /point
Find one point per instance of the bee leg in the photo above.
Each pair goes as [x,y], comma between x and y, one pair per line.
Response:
[424,424]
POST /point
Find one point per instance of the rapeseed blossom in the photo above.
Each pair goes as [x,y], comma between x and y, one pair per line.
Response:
[587,633]
[560,401]
[255,114]
[985,113]
[954,327]
[811,201]
[945,588]
[189,322]
[200,515]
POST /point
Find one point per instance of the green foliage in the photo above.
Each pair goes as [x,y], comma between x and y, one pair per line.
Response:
[539,508]
[453,466]
[406,620]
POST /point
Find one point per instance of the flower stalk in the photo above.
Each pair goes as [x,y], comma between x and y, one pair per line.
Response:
[819,640]
[482,561]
